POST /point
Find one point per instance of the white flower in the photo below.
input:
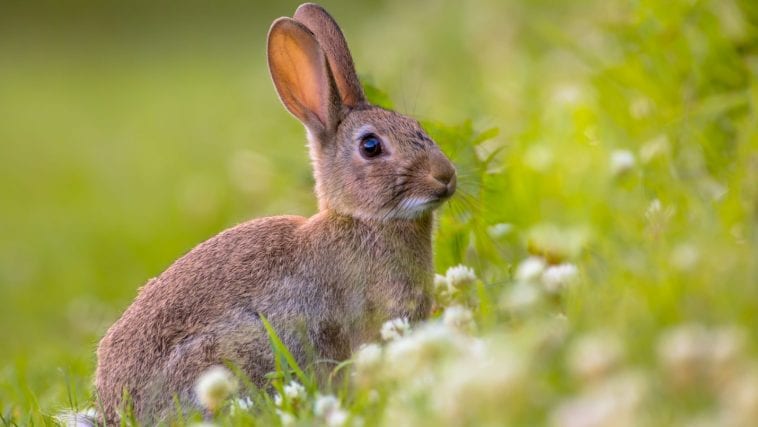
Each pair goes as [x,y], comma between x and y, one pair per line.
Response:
[410,356]
[328,408]
[499,230]
[395,328]
[458,318]
[441,283]
[478,381]
[530,269]
[214,386]
[521,298]
[286,418]
[558,277]
[739,400]
[325,404]
[595,355]
[460,276]
[368,357]
[337,418]
[241,404]
[567,94]
[245,403]
[683,350]
[294,391]
[726,350]
[615,403]
[557,242]
[685,256]
[622,161]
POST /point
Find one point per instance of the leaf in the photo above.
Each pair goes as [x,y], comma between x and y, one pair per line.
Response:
[377,96]
[486,135]
[281,350]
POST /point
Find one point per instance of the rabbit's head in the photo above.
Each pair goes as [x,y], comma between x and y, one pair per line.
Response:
[369,162]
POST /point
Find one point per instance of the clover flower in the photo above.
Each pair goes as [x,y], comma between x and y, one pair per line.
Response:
[739,399]
[622,161]
[499,230]
[294,392]
[286,418]
[395,328]
[460,276]
[522,298]
[214,386]
[726,353]
[328,407]
[683,352]
[440,283]
[367,357]
[558,277]
[615,402]
[458,318]
[595,355]
[530,269]
[411,355]
[243,404]
[691,352]
[478,381]
[685,256]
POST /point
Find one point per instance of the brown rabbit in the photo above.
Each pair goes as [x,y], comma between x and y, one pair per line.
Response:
[327,282]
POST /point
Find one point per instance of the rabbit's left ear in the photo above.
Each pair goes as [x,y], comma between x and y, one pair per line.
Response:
[302,76]
[331,39]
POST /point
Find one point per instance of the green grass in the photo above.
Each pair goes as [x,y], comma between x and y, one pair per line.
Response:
[128,135]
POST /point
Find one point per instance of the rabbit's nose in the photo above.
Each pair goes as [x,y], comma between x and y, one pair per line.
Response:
[446,177]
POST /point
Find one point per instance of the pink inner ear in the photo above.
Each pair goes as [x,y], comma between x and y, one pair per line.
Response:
[298,67]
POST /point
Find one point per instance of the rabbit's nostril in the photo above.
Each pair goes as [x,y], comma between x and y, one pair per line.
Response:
[448,185]
[444,176]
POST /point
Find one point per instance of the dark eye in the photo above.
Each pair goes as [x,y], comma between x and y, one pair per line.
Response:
[371,146]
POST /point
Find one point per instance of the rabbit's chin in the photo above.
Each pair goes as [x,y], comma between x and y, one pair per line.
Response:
[409,209]
[413,207]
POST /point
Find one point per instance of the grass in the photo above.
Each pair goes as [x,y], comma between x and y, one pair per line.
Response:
[128,136]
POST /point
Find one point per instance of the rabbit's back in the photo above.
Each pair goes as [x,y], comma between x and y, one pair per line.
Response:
[203,310]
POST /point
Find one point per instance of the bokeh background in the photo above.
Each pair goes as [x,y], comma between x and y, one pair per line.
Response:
[131,131]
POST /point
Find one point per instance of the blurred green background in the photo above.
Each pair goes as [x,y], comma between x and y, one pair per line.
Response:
[131,131]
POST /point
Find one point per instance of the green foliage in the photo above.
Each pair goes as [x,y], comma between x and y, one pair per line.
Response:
[616,138]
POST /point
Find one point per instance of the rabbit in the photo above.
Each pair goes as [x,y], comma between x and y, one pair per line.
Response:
[326,283]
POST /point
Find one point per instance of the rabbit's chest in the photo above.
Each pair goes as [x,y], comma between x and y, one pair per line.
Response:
[368,306]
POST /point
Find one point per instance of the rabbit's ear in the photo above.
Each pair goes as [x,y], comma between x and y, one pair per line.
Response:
[333,42]
[301,74]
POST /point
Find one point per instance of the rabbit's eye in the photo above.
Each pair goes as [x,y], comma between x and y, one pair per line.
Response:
[371,146]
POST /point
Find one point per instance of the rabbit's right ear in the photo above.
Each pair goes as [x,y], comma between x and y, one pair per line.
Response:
[331,39]
[302,77]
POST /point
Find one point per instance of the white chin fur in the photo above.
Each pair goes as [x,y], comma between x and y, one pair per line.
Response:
[409,208]
[412,207]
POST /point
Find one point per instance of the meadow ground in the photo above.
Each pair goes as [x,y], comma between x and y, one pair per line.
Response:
[605,228]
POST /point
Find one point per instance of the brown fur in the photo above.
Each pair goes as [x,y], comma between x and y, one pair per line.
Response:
[327,282]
